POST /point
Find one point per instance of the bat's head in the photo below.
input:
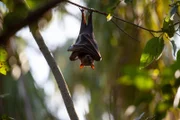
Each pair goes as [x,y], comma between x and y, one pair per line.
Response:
[87,60]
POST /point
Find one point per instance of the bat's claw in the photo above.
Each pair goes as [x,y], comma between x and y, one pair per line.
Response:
[92,66]
[91,10]
[81,9]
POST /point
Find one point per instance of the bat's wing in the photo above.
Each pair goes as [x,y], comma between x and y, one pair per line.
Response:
[85,45]
[74,56]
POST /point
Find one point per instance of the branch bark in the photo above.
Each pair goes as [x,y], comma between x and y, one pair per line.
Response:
[32,17]
[36,14]
[105,14]
[56,72]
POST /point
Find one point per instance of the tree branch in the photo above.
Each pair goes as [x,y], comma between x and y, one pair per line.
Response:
[32,17]
[105,14]
[36,14]
[56,72]
[123,31]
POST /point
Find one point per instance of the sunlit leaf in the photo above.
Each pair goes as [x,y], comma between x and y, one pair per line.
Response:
[4,68]
[3,61]
[109,17]
[126,80]
[161,107]
[168,27]
[143,82]
[35,3]
[152,51]
[3,54]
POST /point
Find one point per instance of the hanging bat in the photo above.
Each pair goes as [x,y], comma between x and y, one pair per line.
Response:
[85,47]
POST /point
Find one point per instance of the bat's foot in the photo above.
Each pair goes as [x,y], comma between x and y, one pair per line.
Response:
[81,9]
[92,66]
[81,66]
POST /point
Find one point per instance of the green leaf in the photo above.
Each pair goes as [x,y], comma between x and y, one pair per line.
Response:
[15,16]
[35,3]
[152,51]
[6,117]
[178,56]
[3,54]
[168,27]
[3,61]
[4,68]
[143,82]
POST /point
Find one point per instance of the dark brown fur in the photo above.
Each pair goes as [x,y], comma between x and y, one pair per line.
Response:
[85,47]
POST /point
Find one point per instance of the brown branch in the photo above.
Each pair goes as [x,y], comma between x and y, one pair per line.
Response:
[32,17]
[56,72]
[177,23]
[36,14]
[123,31]
[105,14]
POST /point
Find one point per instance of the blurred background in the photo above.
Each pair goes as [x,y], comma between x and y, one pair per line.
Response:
[116,90]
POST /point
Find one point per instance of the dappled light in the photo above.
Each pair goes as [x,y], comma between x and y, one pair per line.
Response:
[138,77]
[16,72]
[177,98]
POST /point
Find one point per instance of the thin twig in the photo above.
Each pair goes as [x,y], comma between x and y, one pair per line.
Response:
[56,72]
[105,14]
[176,23]
[151,118]
[178,34]
[152,34]
[36,14]
[124,31]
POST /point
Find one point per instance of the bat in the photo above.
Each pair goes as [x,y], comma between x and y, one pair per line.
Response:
[85,48]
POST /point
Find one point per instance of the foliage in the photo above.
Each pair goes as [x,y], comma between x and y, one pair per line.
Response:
[117,86]
[4,68]
[152,51]
[20,97]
